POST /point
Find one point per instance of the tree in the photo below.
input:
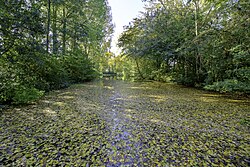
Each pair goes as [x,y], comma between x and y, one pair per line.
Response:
[48,44]
[197,42]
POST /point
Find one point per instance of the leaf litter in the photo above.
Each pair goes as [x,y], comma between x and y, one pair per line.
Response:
[116,123]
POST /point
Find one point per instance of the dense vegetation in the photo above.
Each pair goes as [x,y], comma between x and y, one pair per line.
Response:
[47,45]
[195,42]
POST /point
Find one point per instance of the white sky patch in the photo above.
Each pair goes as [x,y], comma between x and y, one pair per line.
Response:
[123,12]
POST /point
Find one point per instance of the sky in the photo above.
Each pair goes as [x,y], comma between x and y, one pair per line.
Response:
[123,11]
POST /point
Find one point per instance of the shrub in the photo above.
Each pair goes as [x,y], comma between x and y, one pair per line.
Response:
[24,95]
[229,85]
[184,80]
[12,81]
[79,68]
[9,79]
[47,72]
[54,73]
[27,77]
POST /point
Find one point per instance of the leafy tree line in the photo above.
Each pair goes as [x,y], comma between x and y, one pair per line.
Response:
[49,44]
[201,43]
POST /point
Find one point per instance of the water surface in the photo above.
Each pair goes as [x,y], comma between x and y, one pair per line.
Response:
[117,123]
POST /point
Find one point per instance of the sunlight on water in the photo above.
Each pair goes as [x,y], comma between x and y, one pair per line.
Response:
[114,123]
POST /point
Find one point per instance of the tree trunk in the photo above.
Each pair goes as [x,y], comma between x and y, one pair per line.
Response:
[54,30]
[48,27]
[74,43]
[138,69]
[197,54]
[64,31]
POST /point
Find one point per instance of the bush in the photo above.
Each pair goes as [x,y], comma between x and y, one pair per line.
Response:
[27,77]
[24,95]
[46,71]
[12,88]
[181,79]
[229,85]
[9,80]
[79,68]
[243,74]
[53,74]
[161,75]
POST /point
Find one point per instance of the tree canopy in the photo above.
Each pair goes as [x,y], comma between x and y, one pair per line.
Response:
[49,44]
[196,43]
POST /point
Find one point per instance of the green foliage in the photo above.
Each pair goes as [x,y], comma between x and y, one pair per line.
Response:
[245,121]
[16,85]
[24,95]
[229,85]
[22,82]
[46,45]
[185,80]
[243,74]
[200,43]
[52,72]
[8,81]
[79,68]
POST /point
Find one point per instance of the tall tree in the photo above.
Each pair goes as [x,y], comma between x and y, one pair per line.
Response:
[48,24]
[197,42]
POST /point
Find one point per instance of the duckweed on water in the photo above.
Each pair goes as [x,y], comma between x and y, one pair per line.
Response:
[115,123]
